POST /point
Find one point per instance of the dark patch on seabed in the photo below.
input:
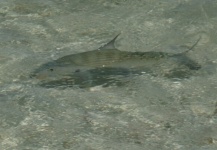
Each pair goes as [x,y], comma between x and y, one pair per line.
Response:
[109,66]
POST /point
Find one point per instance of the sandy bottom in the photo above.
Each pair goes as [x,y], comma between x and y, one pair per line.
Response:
[147,113]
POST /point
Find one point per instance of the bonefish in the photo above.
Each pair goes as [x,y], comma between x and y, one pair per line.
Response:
[107,65]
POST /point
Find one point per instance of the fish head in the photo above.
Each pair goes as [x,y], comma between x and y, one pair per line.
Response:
[55,71]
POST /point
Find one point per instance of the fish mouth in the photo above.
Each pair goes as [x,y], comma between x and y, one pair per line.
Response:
[39,76]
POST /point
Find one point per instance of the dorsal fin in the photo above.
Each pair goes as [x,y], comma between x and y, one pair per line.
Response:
[109,45]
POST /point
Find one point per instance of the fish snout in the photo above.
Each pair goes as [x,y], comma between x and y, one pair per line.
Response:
[40,76]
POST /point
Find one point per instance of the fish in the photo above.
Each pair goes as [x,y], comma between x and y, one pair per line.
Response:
[108,66]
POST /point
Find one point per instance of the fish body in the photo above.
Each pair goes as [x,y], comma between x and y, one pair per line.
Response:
[108,65]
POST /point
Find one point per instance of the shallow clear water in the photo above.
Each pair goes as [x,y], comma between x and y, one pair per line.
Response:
[147,113]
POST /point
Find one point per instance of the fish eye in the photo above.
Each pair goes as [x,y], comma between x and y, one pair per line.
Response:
[51,69]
